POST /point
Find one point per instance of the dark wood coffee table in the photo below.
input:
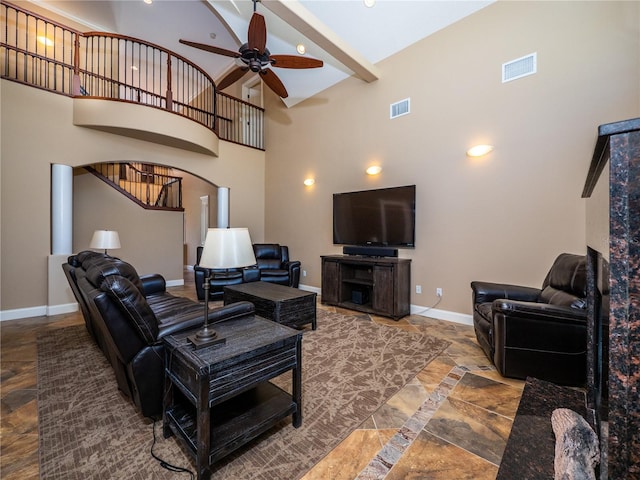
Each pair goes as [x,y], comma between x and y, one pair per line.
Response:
[218,398]
[286,305]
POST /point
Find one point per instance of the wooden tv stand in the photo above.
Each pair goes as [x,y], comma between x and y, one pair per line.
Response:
[378,285]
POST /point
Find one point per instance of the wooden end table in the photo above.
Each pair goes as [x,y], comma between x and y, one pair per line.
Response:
[218,398]
[282,304]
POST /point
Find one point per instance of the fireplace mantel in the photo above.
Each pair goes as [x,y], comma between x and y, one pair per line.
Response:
[613,230]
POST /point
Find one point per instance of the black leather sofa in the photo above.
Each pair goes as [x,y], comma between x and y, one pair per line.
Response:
[128,316]
[272,265]
[535,332]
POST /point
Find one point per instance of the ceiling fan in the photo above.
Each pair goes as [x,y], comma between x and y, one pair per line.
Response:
[254,56]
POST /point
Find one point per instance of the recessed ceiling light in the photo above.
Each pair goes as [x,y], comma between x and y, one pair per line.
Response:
[374,170]
[212,35]
[479,150]
[301,49]
[309,181]
[369,3]
[148,2]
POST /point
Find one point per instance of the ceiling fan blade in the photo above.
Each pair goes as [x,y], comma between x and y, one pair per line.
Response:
[274,83]
[211,48]
[294,61]
[232,77]
[257,33]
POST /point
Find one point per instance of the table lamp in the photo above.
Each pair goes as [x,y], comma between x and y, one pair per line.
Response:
[223,248]
[105,239]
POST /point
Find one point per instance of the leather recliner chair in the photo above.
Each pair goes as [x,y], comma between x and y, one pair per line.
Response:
[535,332]
[218,279]
[275,266]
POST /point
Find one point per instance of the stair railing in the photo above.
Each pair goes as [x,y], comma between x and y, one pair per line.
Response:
[142,184]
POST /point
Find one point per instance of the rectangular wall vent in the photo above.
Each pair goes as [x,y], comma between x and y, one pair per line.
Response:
[520,67]
[400,108]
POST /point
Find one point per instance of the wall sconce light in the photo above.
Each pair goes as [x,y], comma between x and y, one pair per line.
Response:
[47,42]
[479,150]
[309,181]
[301,49]
[374,170]
[369,3]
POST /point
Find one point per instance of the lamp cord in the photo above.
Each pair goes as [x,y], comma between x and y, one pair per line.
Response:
[164,464]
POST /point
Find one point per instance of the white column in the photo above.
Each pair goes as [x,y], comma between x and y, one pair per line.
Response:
[61,209]
[223,207]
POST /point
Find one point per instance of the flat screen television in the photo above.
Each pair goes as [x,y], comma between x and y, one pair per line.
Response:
[382,217]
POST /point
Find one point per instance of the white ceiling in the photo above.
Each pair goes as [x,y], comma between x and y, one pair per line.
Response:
[348,36]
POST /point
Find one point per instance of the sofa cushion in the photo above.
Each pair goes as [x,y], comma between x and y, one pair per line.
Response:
[268,255]
[569,274]
[100,268]
[557,297]
[133,304]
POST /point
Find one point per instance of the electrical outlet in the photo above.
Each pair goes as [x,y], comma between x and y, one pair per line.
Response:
[418,288]
[438,292]
[304,273]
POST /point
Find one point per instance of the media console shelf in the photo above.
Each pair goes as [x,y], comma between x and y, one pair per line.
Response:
[378,285]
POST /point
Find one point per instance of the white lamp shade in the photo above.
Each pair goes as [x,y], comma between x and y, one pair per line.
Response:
[105,239]
[227,248]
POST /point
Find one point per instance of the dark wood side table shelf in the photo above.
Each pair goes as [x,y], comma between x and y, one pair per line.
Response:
[378,285]
[218,398]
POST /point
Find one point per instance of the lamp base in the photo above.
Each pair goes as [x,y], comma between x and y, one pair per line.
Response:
[205,338]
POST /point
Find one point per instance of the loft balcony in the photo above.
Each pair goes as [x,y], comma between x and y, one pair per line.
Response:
[125,85]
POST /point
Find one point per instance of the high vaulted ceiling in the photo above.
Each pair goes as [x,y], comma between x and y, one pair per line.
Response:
[346,34]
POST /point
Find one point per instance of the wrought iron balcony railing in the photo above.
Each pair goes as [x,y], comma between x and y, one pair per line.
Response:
[45,54]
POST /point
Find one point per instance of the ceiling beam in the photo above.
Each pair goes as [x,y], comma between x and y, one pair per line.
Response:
[296,15]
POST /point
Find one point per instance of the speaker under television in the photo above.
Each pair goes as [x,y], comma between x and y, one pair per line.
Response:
[370,251]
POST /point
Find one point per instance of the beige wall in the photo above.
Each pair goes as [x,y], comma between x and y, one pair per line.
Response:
[150,239]
[37,130]
[501,218]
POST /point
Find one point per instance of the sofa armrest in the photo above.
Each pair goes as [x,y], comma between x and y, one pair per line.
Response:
[199,274]
[485,292]
[192,320]
[294,272]
[540,312]
[231,312]
[153,284]
[538,327]
[179,324]
[251,274]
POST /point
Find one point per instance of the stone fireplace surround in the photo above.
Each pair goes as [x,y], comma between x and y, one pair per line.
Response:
[611,400]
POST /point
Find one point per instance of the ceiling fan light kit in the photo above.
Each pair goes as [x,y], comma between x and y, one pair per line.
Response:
[255,57]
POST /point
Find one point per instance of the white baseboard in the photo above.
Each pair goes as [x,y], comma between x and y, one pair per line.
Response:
[23,313]
[175,283]
[60,309]
[40,311]
[438,314]
[309,288]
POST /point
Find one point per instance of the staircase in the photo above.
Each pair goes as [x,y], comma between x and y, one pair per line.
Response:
[150,186]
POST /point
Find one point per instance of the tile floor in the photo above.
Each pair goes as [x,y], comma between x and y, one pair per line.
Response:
[451,421]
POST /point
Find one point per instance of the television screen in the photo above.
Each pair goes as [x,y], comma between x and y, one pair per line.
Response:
[381,217]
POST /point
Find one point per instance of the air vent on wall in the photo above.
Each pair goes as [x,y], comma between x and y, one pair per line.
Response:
[520,67]
[399,108]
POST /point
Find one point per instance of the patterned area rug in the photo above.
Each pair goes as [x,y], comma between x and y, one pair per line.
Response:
[88,430]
